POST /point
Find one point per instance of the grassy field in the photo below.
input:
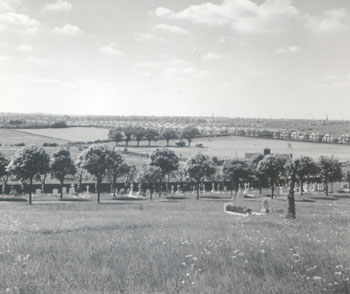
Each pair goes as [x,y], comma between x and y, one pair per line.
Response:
[223,147]
[174,246]
[73,134]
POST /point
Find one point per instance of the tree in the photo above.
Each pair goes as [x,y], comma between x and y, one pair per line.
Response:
[190,133]
[151,135]
[200,166]
[329,171]
[166,160]
[305,168]
[61,166]
[151,175]
[168,134]
[139,133]
[29,164]
[96,160]
[3,171]
[292,168]
[272,166]
[261,178]
[236,171]
[116,167]
[116,135]
[128,133]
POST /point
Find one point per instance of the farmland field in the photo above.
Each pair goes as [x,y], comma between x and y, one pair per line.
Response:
[73,134]
[174,246]
[10,136]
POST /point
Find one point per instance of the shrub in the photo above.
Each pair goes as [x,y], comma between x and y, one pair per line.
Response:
[50,145]
[180,144]
[238,209]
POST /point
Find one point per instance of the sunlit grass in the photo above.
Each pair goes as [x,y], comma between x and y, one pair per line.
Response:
[173,246]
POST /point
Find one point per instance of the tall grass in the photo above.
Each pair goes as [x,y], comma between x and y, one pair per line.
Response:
[183,246]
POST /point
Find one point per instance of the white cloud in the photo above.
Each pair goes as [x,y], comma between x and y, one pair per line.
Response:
[141,37]
[241,15]
[290,49]
[59,5]
[110,51]
[16,22]
[210,56]
[25,48]
[170,28]
[171,67]
[67,30]
[247,16]
[332,21]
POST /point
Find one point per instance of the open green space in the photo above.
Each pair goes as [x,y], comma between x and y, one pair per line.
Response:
[176,245]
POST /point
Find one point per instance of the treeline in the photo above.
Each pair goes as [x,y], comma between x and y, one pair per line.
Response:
[138,134]
[34,164]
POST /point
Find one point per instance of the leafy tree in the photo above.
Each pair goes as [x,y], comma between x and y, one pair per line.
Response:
[168,134]
[305,168]
[61,166]
[151,135]
[116,167]
[96,160]
[139,133]
[29,164]
[128,133]
[200,166]
[166,160]
[3,171]
[347,178]
[236,171]
[116,135]
[329,171]
[273,167]
[261,177]
[151,175]
[189,134]
[292,167]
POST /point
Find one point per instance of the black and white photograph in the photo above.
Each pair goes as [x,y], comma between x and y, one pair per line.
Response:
[174,146]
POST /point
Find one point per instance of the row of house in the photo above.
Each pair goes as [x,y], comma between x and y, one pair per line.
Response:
[295,135]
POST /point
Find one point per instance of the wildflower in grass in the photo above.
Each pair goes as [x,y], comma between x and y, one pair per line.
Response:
[338,273]
[184,263]
[195,258]
[188,275]
[317,278]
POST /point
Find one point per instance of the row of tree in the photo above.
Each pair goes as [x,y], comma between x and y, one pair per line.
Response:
[138,134]
[33,163]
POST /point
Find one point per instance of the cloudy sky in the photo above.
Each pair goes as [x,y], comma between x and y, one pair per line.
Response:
[246,58]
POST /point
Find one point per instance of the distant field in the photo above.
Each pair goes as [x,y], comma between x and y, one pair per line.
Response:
[230,147]
[174,246]
[222,147]
[9,137]
[73,134]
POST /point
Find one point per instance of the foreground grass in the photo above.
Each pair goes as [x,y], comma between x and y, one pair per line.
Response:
[173,246]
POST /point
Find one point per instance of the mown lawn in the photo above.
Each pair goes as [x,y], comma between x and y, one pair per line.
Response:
[174,246]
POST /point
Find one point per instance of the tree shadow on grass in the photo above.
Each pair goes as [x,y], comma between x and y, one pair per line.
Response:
[325,198]
[10,199]
[176,198]
[73,200]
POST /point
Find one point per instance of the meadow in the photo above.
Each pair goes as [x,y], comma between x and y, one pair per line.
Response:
[174,245]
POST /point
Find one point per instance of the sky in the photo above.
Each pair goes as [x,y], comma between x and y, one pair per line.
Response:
[234,58]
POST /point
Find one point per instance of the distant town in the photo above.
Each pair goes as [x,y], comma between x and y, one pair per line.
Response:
[318,131]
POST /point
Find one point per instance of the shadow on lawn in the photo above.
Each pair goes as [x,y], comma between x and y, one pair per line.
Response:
[10,199]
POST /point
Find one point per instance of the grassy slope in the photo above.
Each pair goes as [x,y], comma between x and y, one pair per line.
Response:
[183,246]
